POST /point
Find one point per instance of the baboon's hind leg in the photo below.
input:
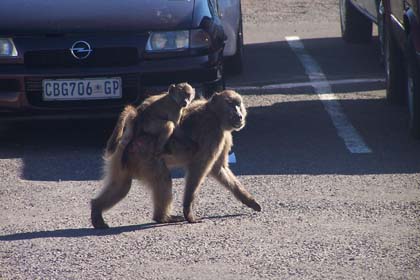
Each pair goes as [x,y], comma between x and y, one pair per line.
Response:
[160,182]
[115,190]
[225,176]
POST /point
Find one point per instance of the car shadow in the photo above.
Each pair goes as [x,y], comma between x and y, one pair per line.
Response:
[291,137]
[84,232]
[57,150]
[298,137]
[275,62]
[283,138]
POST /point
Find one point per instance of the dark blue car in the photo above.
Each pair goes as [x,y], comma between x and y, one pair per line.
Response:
[77,58]
[399,36]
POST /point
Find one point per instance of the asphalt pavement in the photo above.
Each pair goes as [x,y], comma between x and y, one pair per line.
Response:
[329,212]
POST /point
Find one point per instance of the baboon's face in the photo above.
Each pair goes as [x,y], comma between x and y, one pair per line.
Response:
[229,106]
[182,93]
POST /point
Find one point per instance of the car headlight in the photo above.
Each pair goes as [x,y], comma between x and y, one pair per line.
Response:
[7,48]
[177,40]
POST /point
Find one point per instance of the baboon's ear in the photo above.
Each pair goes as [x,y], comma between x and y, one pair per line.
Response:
[218,95]
[171,87]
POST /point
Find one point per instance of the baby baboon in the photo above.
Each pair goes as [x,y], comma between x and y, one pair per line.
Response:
[162,116]
[207,123]
[158,115]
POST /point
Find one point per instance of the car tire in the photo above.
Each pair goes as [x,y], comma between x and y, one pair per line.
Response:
[210,89]
[355,27]
[413,89]
[234,64]
[395,69]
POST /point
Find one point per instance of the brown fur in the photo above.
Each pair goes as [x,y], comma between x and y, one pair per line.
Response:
[207,123]
[162,116]
[158,115]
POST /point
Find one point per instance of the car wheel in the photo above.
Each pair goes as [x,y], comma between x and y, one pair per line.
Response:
[413,90]
[234,64]
[394,69]
[211,88]
[355,27]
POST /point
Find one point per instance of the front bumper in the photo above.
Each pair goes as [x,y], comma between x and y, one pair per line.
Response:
[21,88]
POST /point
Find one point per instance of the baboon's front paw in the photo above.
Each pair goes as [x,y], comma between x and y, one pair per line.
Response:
[100,225]
[169,219]
[176,219]
[194,220]
[255,206]
[190,217]
[97,220]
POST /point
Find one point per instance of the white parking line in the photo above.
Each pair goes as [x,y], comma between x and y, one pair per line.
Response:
[232,158]
[322,87]
[307,84]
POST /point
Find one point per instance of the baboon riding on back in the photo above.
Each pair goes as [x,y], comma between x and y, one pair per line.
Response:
[207,126]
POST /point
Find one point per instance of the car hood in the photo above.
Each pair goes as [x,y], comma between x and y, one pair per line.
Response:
[75,16]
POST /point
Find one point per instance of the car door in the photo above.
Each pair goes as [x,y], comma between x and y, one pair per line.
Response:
[397,10]
[371,7]
[230,13]
[368,7]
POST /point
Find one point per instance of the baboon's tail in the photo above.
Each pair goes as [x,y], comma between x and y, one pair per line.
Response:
[123,131]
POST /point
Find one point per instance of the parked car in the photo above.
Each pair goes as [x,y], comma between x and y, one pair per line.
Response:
[231,15]
[72,58]
[399,36]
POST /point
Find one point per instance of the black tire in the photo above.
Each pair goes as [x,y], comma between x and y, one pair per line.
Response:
[212,88]
[413,90]
[355,27]
[234,64]
[395,71]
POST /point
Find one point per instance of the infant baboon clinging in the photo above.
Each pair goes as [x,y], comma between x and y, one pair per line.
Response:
[209,124]
[158,115]
[162,116]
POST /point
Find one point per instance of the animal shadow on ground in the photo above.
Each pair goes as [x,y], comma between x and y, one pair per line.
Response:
[84,232]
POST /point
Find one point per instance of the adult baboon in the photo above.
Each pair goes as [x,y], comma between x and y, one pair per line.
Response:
[157,116]
[209,124]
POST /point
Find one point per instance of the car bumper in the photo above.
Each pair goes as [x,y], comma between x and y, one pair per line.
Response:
[21,89]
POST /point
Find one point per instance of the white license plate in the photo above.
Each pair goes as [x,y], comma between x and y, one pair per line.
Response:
[81,89]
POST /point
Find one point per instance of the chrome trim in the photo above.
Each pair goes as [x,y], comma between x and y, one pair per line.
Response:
[82,51]
[393,18]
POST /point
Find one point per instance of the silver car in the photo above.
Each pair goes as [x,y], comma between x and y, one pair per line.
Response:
[231,16]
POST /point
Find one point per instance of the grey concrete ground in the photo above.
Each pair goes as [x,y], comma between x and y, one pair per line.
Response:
[327,213]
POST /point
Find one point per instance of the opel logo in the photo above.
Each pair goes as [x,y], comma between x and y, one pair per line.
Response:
[80,49]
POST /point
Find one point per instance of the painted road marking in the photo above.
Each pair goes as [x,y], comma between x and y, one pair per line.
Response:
[232,158]
[307,84]
[322,87]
